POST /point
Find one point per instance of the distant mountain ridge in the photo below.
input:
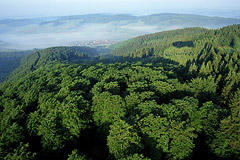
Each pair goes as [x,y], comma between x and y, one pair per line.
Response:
[55,31]
[103,18]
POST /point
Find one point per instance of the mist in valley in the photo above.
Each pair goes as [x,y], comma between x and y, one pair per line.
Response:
[69,30]
[42,36]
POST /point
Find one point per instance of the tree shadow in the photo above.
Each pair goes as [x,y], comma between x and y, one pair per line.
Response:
[166,64]
[180,44]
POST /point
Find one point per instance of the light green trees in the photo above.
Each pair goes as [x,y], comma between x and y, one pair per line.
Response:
[167,137]
[107,108]
[135,157]
[58,122]
[20,153]
[123,140]
[75,155]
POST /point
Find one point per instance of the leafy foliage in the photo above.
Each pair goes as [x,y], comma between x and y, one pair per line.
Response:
[123,140]
[154,106]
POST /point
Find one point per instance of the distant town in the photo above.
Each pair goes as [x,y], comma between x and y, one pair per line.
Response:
[93,43]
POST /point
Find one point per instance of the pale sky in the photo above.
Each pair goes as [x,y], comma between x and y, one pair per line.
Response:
[43,8]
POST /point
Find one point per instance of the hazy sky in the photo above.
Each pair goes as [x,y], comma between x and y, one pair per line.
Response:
[42,8]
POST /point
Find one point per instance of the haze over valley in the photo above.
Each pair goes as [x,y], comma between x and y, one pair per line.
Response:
[119,80]
[69,30]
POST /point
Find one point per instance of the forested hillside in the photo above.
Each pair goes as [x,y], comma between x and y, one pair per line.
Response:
[10,60]
[51,56]
[170,95]
[179,45]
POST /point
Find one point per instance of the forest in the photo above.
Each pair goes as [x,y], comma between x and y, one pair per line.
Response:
[10,60]
[170,95]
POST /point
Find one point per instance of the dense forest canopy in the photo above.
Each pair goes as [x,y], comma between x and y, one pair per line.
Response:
[170,95]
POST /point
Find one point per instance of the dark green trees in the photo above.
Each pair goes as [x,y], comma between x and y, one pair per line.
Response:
[43,106]
[227,142]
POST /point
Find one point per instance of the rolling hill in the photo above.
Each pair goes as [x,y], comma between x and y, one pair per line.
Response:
[55,31]
[179,45]
[49,56]
[171,95]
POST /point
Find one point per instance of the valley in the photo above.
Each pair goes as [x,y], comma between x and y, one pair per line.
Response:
[65,30]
